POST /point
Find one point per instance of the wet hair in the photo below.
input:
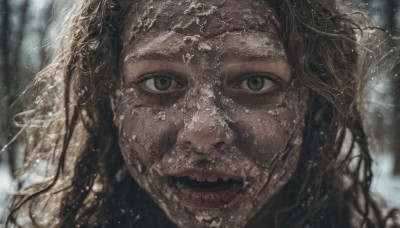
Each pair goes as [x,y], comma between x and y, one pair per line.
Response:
[69,129]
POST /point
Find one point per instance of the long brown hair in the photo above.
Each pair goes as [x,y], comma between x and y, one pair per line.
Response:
[71,122]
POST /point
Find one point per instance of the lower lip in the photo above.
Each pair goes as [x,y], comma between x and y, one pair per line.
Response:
[201,198]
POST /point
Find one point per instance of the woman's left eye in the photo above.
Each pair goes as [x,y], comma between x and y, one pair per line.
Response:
[160,83]
[257,83]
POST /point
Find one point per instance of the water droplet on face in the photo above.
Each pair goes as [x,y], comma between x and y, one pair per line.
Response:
[273,112]
[140,168]
[160,116]
[204,47]
[121,118]
[119,93]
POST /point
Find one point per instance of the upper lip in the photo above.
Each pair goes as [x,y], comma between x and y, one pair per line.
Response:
[206,175]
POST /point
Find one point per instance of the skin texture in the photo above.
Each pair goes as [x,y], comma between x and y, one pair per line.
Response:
[209,119]
[71,125]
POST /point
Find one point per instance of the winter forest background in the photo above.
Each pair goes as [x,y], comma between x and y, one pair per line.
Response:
[29,32]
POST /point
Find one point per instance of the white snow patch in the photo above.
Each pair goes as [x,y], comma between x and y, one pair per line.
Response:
[384,183]
[7,187]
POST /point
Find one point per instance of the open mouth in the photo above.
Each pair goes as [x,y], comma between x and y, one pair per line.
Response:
[206,190]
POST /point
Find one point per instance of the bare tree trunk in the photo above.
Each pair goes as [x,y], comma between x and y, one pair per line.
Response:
[393,7]
[43,52]
[11,73]
[396,125]
[2,85]
[5,30]
[396,120]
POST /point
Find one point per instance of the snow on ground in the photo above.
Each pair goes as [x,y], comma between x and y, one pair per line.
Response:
[384,182]
[6,188]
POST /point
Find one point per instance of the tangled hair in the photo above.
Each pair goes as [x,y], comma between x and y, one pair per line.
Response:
[71,122]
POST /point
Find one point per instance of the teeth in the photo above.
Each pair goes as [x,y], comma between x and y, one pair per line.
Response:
[207,179]
[197,178]
[192,178]
[212,179]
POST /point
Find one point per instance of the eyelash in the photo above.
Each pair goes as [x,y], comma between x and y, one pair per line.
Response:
[151,75]
[268,76]
[148,76]
[147,93]
[261,95]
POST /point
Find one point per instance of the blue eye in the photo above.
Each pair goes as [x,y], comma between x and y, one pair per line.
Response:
[257,83]
[160,83]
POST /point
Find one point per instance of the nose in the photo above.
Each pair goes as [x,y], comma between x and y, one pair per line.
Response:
[206,129]
[205,133]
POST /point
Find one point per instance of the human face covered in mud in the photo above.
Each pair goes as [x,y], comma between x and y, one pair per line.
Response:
[210,118]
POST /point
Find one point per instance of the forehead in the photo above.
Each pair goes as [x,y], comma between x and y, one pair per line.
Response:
[205,18]
[210,27]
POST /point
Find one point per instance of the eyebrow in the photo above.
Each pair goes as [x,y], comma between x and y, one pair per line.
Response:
[155,56]
[230,54]
[249,57]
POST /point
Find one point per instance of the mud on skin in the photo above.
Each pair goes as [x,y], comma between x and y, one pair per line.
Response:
[210,118]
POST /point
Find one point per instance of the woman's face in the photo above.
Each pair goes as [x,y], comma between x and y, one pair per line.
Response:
[210,119]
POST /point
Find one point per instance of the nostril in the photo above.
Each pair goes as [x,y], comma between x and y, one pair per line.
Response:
[205,134]
[219,145]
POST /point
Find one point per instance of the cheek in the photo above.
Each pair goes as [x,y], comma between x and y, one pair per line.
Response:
[263,134]
[145,134]
[271,140]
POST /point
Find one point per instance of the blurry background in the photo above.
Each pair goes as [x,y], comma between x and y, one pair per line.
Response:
[29,32]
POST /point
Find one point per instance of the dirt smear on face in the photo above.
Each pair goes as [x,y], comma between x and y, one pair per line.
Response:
[208,124]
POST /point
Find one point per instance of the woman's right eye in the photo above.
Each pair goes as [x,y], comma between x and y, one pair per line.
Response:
[257,83]
[159,83]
